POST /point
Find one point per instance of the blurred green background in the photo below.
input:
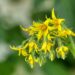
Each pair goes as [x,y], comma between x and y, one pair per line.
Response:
[14,13]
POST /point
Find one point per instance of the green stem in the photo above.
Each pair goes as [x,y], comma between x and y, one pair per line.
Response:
[59,42]
[72,45]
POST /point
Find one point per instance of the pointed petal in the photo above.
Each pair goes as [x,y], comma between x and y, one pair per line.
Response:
[61,20]
[53,14]
[24,53]
[39,35]
[47,21]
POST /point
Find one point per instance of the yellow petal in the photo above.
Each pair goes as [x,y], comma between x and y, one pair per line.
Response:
[61,20]
[59,28]
[24,53]
[69,32]
[65,49]
[16,49]
[49,45]
[45,33]
[47,21]
[49,37]
[53,14]
[35,46]
[39,35]
[31,44]
[31,61]
[44,45]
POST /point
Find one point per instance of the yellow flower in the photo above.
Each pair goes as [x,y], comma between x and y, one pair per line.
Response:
[30,30]
[41,29]
[31,45]
[21,50]
[56,21]
[66,32]
[31,61]
[46,46]
[62,51]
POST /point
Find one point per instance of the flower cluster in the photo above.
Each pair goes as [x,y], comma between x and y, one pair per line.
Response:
[46,40]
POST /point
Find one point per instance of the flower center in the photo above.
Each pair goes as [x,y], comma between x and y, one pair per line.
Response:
[56,22]
[43,27]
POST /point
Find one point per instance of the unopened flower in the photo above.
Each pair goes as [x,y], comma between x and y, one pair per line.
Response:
[31,61]
[62,51]
[52,55]
[46,46]
[20,50]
